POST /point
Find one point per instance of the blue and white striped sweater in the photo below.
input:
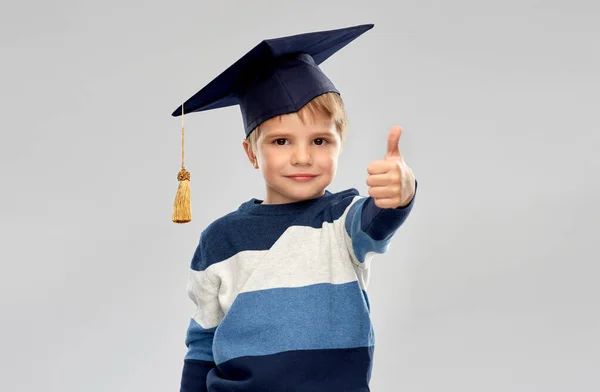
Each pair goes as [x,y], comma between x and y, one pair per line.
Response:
[281,296]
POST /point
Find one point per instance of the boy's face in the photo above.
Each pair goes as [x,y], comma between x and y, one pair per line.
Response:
[287,147]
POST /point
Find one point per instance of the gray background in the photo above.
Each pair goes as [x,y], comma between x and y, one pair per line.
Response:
[491,284]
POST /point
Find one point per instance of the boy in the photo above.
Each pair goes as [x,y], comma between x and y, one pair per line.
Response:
[280,284]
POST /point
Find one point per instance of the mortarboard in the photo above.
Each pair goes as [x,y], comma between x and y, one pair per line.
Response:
[278,76]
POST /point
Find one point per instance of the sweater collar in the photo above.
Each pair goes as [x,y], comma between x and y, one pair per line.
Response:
[255,206]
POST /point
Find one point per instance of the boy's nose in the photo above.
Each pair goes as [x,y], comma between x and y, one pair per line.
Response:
[301,155]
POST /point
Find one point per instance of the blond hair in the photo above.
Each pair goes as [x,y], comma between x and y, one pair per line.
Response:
[328,105]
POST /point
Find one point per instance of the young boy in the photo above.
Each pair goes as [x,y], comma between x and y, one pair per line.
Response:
[280,284]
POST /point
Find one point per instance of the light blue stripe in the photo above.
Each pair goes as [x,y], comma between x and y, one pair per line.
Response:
[361,242]
[320,316]
[199,342]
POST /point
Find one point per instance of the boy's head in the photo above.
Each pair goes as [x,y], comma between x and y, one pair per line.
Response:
[305,142]
[294,119]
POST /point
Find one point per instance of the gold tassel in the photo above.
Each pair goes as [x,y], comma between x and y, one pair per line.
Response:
[182,211]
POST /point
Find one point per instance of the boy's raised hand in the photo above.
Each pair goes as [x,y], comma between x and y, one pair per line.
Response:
[391,182]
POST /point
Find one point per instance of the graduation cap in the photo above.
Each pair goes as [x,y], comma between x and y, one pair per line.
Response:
[278,76]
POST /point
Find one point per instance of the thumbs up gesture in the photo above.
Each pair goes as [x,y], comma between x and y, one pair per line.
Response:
[391,182]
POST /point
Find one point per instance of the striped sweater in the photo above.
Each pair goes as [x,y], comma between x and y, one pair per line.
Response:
[280,294]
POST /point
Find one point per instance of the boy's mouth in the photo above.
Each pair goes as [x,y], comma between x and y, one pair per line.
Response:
[302,177]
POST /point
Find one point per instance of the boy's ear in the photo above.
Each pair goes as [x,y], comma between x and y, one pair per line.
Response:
[249,153]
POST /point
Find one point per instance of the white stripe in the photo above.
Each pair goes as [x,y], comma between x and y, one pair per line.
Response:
[203,290]
[302,256]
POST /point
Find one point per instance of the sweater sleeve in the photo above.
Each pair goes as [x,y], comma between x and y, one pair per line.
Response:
[203,288]
[369,228]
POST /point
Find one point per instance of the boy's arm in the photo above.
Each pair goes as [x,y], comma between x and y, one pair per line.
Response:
[203,288]
[198,361]
[369,228]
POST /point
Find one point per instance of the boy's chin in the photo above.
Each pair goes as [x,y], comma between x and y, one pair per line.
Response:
[307,192]
[301,191]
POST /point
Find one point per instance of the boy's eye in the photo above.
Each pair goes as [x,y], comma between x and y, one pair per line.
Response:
[319,141]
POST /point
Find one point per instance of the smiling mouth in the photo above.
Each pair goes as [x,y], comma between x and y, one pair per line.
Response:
[302,178]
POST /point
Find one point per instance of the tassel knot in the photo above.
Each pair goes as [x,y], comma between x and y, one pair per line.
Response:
[183,175]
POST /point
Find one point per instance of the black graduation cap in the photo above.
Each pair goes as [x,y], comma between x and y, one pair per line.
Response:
[278,76]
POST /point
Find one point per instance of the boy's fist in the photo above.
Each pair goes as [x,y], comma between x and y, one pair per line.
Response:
[391,182]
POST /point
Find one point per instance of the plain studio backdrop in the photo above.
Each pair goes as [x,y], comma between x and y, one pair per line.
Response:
[491,283]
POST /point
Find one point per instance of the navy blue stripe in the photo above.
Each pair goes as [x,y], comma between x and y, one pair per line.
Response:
[332,370]
[194,374]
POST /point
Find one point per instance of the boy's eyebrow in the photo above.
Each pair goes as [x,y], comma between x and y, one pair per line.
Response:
[327,132]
